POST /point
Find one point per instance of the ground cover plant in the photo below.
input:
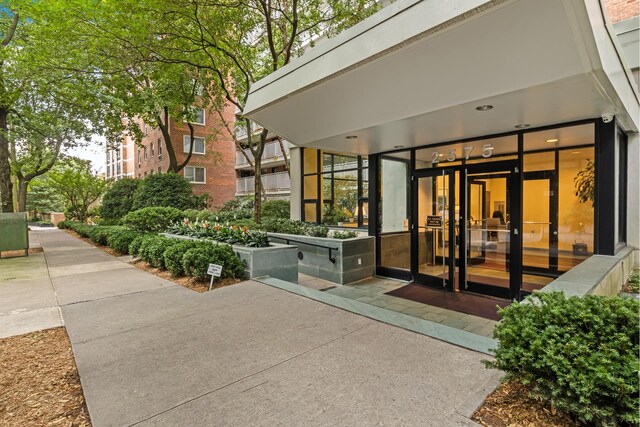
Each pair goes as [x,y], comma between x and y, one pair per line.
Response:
[287,226]
[579,355]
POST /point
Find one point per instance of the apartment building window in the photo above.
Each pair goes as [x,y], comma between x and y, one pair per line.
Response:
[159,149]
[199,118]
[195,174]
[118,154]
[159,167]
[153,150]
[145,153]
[139,158]
[198,144]
[145,174]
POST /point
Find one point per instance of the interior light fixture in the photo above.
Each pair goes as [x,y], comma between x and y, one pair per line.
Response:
[552,140]
[398,146]
[522,126]
[575,152]
[485,107]
[351,136]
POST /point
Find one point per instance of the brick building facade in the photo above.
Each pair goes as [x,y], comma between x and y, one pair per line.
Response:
[211,168]
[620,10]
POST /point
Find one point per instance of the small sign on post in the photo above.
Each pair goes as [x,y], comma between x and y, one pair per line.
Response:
[214,270]
[434,221]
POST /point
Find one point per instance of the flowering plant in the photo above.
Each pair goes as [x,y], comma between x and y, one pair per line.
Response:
[231,234]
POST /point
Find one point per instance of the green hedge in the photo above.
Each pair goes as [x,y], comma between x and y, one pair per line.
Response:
[152,219]
[153,247]
[579,354]
[136,243]
[119,240]
[287,226]
[196,260]
[174,254]
[276,209]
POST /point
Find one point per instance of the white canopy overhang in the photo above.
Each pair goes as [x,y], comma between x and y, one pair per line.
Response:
[414,73]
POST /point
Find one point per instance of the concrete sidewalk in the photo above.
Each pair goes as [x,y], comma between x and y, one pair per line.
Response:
[153,353]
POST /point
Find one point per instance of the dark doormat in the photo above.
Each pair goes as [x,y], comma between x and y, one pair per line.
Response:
[476,305]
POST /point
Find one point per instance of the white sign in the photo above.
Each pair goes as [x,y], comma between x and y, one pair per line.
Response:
[214,270]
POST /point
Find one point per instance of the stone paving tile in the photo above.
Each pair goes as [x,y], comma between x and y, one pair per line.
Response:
[455,323]
[439,318]
[366,299]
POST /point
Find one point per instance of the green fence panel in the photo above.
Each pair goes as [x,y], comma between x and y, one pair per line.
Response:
[14,233]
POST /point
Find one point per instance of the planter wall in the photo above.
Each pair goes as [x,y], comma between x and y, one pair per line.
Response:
[277,260]
[354,258]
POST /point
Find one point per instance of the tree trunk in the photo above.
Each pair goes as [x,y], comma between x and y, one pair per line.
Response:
[6,187]
[258,190]
[22,194]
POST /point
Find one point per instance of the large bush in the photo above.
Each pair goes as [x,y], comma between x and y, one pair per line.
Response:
[100,233]
[152,249]
[173,255]
[166,189]
[195,261]
[136,243]
[152,219]
[276,209]
[118,200]
[579,354]
[120,239]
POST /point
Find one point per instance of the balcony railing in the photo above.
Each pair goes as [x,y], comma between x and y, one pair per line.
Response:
[241,130]
[272,182]
[271,152]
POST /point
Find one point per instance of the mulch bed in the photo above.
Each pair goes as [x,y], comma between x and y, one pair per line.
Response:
[510,405]
[39,383]
[19,253]
[187,282]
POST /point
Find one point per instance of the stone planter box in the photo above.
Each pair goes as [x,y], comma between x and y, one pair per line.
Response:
[354,258]
[277,260]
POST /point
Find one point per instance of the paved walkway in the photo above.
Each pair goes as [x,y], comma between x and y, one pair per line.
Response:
[153,353]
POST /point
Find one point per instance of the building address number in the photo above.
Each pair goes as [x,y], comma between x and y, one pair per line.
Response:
[487,151]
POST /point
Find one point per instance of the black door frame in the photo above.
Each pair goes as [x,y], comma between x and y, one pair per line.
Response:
[554,269]
[514,208]
[424,279]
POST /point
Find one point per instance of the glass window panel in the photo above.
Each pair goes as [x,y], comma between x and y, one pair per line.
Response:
[327,162]
[540,161]
[575,218]
[310,161]
[559,137]
[341,162]
[310,212]
[198,145]
[394,195]
[364,213]
[200,175]
[189,173]
[311,187]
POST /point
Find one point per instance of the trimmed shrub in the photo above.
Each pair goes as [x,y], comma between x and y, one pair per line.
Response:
[100,234]
[173,255]
[83,229]
[152,249]
[579,354]
[276,209]
[66,224]
[166,189]
[134,247]
[207,216]
[152,219]
[118,199]
[346,234]
[195,261]
[119,240]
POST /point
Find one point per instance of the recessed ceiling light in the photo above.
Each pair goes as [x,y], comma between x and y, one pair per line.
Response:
[522,126]
[351,136]
[552,140]
[398,146]
[575,152]
[486,107]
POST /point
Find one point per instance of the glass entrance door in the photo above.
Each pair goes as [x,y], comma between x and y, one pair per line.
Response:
[487,234]
[434,229]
